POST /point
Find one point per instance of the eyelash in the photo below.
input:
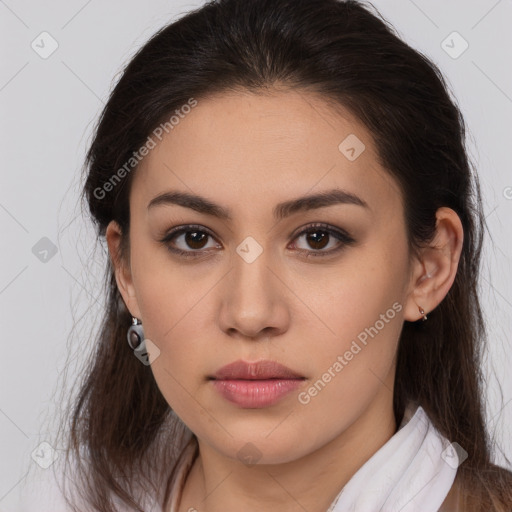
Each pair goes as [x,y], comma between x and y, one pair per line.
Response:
[340,235]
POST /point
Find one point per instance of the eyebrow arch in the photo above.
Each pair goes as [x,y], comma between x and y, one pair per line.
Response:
[281,210]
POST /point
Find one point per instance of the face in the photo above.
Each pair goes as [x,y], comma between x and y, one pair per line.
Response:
[268,283]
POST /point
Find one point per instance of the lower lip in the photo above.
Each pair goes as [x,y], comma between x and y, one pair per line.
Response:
[255,393]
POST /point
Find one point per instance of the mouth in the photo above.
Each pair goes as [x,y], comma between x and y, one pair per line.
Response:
[255,385]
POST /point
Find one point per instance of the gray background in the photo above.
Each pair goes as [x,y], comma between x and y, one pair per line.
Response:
[48,109]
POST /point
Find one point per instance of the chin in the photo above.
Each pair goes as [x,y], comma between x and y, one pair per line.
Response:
[263,449]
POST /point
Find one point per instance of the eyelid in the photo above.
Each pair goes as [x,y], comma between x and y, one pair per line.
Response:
[320,225]
[188,227]
[343,237]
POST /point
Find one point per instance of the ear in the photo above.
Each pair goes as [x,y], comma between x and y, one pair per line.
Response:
[435,267]
[121,268]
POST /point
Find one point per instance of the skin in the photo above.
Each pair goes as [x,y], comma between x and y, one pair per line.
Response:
[248,152]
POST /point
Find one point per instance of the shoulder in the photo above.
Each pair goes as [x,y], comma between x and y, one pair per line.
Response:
[452,502]
[485,490]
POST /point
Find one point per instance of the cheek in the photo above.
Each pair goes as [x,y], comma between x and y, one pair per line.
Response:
[360,317]
[364,289]
[355,365]
[179,370]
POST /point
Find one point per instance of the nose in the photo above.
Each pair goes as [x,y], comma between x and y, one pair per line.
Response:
[253,298]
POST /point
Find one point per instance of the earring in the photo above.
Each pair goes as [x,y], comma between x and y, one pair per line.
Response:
[428,275]
[135,336]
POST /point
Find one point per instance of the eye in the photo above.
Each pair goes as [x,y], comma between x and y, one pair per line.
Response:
[191,236]
[319,236]
[195,237]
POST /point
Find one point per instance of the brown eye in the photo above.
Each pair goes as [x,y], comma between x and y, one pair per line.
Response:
[195,239]
[319,236]
[318,239]
[187,241]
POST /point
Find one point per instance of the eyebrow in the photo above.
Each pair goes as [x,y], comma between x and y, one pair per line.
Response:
[281,210]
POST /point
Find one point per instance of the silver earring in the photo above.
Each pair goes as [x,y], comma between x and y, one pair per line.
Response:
[135,336]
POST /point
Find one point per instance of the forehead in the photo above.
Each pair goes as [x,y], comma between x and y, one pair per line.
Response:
[281,144]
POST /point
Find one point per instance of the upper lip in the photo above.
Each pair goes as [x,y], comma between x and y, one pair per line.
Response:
[258,370]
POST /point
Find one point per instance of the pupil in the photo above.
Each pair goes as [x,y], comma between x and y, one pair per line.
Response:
[195,244]
[315,243]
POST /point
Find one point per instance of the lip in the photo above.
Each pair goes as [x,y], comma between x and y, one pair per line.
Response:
[255,385]
[259,370]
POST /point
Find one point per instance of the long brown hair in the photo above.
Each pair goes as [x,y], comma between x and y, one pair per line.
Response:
[121,430]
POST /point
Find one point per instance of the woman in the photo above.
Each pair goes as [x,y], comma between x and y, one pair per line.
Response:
[294,237]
